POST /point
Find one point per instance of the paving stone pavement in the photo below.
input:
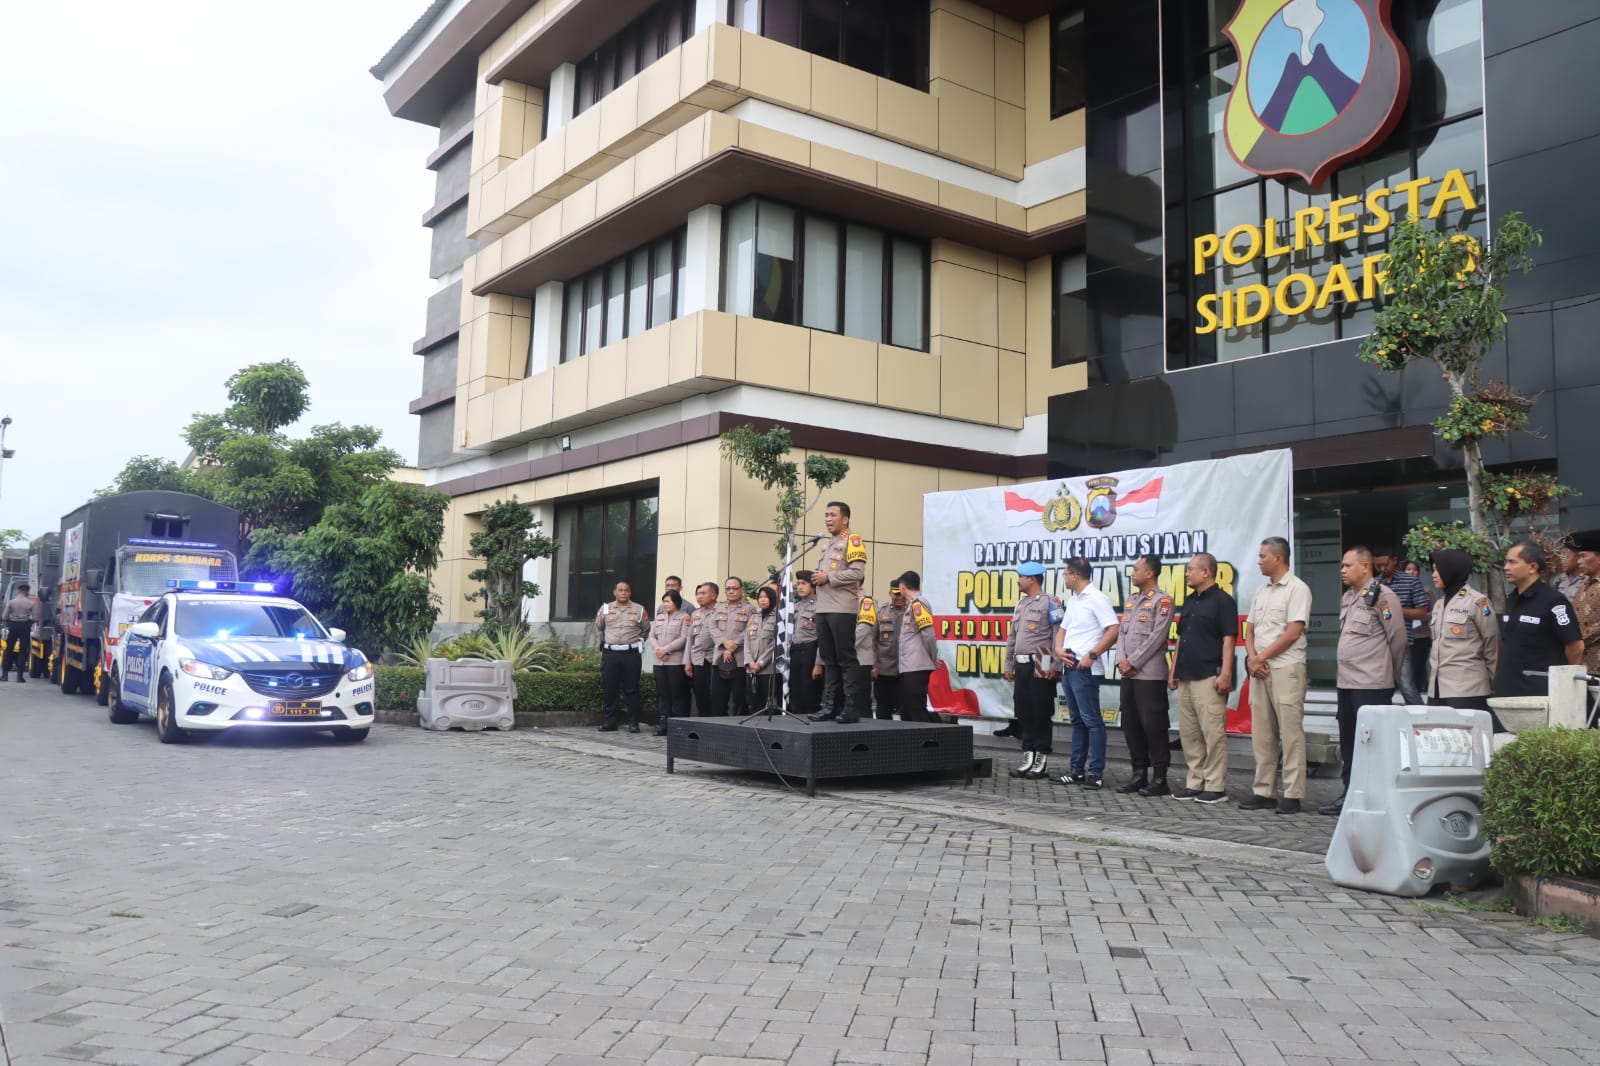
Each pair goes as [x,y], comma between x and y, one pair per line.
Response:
[544,898]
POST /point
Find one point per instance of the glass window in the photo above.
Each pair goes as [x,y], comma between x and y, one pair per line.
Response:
[906,311]
[746,15]
[821,26]
[616,300]
[661,282]
[641,42]
[739,270]
[603,541]
[593,310]
[572,340]
[639,292]
[1446,68]
[1066,62]
[888,38]
[863,283]
[774,263]
[680,255]
[1071,310]
[821,285]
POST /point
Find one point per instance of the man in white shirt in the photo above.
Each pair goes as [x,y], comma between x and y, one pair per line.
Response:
[1088,631]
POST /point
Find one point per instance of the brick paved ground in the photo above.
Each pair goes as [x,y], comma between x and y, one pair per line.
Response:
[544,898]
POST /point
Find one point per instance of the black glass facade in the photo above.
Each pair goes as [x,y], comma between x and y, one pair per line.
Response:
[1498,91]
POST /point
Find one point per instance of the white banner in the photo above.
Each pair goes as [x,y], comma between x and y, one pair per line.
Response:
[974,540]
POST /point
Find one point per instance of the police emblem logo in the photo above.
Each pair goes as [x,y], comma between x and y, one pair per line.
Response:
[1319,83]
[1456,630]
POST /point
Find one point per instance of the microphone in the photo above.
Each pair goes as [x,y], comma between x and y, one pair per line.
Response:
[819,536]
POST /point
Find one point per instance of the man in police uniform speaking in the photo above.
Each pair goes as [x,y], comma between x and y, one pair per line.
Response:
[622,625]
[1539,629]
[1372,641]
[1030,667]
[837,579]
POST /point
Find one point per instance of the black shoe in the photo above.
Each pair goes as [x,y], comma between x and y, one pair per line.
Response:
[1134,784]
[1094,784]
[1072,779]
[1008,731]
[1333,808]
[823,717]
[1257,803]
[849,719]
[1157,788]
[659,733]
[21,680]
[1211,797]
[633,729]
[1288,806]
[1182,792]
[606,729]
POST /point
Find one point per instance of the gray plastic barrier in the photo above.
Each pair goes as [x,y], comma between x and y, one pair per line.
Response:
[1413,819]
[468,694]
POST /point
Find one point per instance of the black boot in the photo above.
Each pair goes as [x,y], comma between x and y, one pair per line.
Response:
[1134,784]
[1009,731]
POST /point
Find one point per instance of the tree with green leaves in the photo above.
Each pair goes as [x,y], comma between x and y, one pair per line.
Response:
[150,472]
[764,458]
[510,538]
[1444,305]
[9,537]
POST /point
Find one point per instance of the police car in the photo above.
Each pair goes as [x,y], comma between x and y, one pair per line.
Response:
[215,655]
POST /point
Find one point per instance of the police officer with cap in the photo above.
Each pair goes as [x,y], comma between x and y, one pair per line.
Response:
[1031,669]
[886,655]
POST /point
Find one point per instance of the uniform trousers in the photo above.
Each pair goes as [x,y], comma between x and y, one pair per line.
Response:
[672,694]
[729,695]
[1145,720]
[19,636]
[913,696]
[1352,700]
[836,644]
[1277,721]
[1203,730]
[805,695]
[1469,703]
[700,683]
[1033,700]
[886,695]
[619,675]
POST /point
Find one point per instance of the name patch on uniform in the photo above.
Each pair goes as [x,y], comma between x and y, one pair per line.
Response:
[1531,619]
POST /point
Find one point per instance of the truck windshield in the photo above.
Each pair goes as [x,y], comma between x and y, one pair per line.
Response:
[146,571]
[243,619]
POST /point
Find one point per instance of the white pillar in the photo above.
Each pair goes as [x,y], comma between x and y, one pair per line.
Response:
[536,611]
[545,350]
[562,98]
[702,260]
[708,11]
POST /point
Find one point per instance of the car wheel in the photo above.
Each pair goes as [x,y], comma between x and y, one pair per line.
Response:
[102,688]
[350,736]
[119,714]
[167,716]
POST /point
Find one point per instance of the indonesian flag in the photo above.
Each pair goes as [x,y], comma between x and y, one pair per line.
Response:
[1020,509]
[1142,502]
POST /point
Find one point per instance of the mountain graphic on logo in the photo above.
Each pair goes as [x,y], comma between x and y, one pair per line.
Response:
[1308,96]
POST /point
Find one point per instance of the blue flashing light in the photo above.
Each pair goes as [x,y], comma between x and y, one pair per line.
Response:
[221,586]
[157,542]
[263,586]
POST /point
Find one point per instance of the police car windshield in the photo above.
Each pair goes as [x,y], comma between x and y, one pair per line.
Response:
[244,619]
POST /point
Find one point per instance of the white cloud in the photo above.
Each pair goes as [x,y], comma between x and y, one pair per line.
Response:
[192,187]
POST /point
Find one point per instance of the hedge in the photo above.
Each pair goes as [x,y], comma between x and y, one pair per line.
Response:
[1541,804]
[397,688]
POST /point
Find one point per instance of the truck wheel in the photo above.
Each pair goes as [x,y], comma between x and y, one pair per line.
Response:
[102,688]
[120,715]
[71,677]
[166,716]
[35,667]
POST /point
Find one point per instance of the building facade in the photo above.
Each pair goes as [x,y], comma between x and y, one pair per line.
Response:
[658,221]
[1182,225]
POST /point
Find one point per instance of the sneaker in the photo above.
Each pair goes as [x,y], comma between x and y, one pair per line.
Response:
[1185,793]
[1038,773]
[1258,803]
[1288,806]
[1156,788]
[1070,779]
[1211,797]
[1027,764]
[1334,808]
[1094,783]
[1134,785]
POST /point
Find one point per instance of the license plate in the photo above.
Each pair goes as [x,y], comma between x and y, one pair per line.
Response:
[296,708]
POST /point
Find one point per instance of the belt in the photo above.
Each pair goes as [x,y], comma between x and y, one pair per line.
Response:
[621,647]
[1032,657]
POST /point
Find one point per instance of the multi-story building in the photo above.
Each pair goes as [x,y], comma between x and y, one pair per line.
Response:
[658,221]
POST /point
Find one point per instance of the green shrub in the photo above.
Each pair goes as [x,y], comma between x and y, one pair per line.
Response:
[397,688]
[1541,804]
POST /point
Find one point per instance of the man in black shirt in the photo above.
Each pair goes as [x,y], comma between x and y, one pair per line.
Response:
[1202,676]
[1538,629]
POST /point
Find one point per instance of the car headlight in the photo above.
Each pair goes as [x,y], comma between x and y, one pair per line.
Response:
[196,668]
[361,673]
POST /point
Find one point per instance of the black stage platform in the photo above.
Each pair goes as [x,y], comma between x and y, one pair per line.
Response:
[821,750]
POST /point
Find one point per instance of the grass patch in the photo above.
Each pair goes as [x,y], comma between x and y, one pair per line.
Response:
[1557,923]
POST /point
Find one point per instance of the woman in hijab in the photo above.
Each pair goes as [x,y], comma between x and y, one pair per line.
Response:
[1466,638]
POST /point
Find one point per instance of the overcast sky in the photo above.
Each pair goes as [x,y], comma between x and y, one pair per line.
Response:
[191,187]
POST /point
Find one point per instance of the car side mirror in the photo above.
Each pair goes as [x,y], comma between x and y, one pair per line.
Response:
[147,630]
[336,635]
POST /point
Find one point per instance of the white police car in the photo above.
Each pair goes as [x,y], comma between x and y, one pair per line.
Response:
[215,655]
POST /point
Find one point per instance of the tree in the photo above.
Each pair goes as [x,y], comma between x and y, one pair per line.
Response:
[511,536]
[149,472]
[1444,305]
[9,537]
[764,457]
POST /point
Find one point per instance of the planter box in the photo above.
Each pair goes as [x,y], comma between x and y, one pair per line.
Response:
[1546,897]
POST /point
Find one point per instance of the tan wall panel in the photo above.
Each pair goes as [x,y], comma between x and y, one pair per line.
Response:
[571,390]
[907,115]
[669,469]
[845,165]
[480,421]
[844,94]
[718,344]
[706,488]
[1012,389]
[961,480]
[507,416]
[1009,70]
[613,189]
[964,303]
[647,359]
[907,379]
[966,124]
[538,394]
[777,72]
[1013,315]
[969,380]
[775,355]
[961,51]
[704,558]
[898,506]
[908,183]
[844,367]
[858,489]
[886,562]
[608,374]
[770,142]
[623,473]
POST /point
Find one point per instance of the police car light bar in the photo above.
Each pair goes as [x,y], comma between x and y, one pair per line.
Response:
[155,542]
[221,586]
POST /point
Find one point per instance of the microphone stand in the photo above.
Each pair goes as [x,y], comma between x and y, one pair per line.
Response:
[774,704]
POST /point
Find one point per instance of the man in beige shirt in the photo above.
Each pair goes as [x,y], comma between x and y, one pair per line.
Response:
[1275,659]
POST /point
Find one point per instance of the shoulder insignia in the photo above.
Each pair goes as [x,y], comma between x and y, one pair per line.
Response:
[857,551]
[1166,607]
[1387,614]
[1486,609]
[920,615]
[1463,592]
[868,612]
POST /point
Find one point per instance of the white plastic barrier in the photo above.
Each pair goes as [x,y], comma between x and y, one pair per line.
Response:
[468,694]
[1412,819]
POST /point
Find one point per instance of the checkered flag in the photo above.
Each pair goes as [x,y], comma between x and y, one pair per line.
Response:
[785,628]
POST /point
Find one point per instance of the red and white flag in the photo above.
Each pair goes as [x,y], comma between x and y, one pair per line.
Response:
[1142,502]
[1021,510]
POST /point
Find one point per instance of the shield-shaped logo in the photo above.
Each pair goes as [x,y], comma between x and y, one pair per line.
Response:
[1319,83]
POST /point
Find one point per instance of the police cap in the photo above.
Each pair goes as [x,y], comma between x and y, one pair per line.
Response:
[1031,570]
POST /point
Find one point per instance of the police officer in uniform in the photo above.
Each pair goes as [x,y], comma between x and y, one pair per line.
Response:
[866,660]
[1466,638]
[1538,630]
[622,625]
[838,578]
[804,692]
[918,652]
[21,614]
[1030,667]
[1372,642]
[697,662]
[729,623]
[886,655]
[1141,658]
